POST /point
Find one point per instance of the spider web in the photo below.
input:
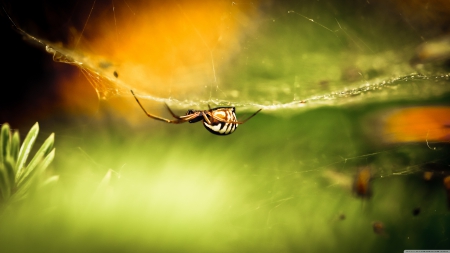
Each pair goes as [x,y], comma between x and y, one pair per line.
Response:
[230,57]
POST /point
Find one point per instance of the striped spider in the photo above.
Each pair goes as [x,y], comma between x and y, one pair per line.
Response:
[219,120]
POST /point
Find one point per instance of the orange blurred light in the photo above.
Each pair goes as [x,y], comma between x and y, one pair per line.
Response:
[166,48]
[418,124]
[172,49]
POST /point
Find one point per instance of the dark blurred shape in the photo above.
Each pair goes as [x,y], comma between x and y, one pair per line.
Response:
[447,189]
[372,73]
[116,74]
[342,217]
[378,227]
[427,17]
[434,170]
[361,183]
[416,211]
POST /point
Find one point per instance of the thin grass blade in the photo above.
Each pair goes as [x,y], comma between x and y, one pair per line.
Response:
[9,167]
[4,142]
[26,148]
[43,151]
[28,181]
[5,188]
[48,159]
[15,146]
[29,170]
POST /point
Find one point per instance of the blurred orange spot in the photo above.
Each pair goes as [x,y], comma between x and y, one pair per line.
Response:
[172,49]
[418,124]
[166,48]
[361,184]
[378,227]
[427,175]
[447,189]
[447,182]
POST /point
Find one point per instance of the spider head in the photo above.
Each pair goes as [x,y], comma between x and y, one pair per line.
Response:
[197,118]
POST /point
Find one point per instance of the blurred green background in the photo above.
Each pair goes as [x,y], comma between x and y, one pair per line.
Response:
[282,181]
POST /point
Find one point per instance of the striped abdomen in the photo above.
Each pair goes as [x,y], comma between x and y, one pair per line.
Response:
[220,121]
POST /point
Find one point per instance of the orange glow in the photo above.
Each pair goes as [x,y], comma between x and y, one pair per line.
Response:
[76,95]
[166,48]
[427,175]
[447,183]
[172,49]
[418,124]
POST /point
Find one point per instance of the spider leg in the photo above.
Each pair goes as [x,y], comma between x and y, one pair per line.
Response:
[190,116]
[238,122]
[173,114]
[206,118]
[178,121]
[242,122]
[184,117]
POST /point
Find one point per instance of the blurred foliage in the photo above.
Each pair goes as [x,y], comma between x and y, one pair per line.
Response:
[17,178]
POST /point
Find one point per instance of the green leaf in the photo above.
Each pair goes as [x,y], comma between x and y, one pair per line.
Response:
[4,142]
[5,188]
[26,148]
[31,178]
[48,159]
[29,170]
[9,167]
[42,152]
[15,145]
[17,177]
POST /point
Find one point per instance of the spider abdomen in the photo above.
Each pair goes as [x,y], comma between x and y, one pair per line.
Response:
[220,128]
[221,119]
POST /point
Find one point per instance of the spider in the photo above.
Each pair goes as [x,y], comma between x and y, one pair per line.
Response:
[219,120]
